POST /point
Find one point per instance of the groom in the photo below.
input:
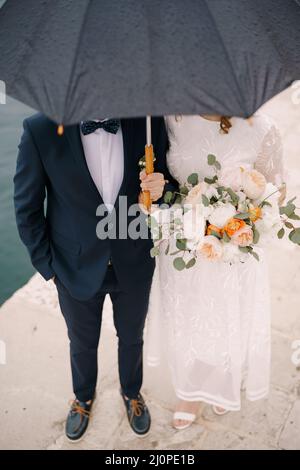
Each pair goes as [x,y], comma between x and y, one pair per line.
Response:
[92,164]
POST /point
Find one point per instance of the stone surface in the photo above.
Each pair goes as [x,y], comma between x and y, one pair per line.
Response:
[284,374]
[261,420]
[285,312]
[290,437]
[222,439]
[35,383]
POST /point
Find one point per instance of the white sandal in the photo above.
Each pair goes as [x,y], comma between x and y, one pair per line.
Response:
[190,417]
[219,412]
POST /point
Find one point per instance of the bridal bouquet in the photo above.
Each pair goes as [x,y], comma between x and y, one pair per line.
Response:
[223,217]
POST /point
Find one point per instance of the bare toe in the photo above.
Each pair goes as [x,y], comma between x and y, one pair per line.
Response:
[180,422]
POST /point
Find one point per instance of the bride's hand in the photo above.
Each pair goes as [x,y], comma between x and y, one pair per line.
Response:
[155,183]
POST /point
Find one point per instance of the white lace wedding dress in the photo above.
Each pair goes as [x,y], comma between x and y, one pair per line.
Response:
[213,321]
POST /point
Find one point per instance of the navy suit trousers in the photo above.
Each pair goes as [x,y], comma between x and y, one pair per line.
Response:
[83,319]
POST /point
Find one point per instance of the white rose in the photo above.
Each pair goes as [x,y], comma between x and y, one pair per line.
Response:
[210,248]
[231,253]
[195,194]
[192,244]
[254,183]
[194,224]
[221,215]
[270,220]
[231,177]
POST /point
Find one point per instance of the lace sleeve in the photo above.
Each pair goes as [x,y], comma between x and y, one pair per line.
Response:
[270,157]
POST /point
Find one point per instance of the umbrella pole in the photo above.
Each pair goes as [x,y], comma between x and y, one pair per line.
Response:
[149,159]
[60,129]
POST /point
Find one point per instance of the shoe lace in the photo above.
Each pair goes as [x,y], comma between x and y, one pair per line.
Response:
[137,407]
[76,408]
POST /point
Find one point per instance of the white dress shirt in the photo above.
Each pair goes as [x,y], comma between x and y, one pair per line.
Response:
[104,154]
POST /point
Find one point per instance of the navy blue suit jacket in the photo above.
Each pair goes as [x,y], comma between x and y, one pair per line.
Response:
[61,234]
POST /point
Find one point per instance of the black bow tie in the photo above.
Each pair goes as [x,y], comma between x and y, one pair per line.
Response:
[111,125]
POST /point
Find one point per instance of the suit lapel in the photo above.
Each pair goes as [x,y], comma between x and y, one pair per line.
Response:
[72,134]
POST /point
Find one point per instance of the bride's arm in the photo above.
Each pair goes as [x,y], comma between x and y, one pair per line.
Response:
[270,160]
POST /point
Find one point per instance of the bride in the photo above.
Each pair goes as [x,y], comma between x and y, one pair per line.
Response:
[214,319]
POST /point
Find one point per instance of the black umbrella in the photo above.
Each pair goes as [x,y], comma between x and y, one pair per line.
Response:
[77,60]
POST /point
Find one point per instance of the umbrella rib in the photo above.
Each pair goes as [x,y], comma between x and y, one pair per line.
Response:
[242,98]
[75,57]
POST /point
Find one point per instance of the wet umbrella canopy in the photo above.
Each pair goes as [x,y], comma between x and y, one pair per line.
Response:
[77,60]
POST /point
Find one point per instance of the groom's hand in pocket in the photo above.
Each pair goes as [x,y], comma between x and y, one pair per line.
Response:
[155,183]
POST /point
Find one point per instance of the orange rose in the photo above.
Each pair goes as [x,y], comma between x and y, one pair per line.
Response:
[255,214]
[233,226]
[213,228]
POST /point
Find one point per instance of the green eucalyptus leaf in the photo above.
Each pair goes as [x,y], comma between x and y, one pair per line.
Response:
[287,210]
[184,190]
[242,216]
[179,264]
[244,249]
[181,244]
[288,224]
[265,203]
[233,196]
[213,200]
[215,234]
[294,236]
[205,200]
[154,251]
[168,197]
[226,237]
[255,235]
[218,165]
[294,217]
[211,159]
[178,199]
[191,263]
[255,255]
[211,180]
[280,233]
[193,179]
